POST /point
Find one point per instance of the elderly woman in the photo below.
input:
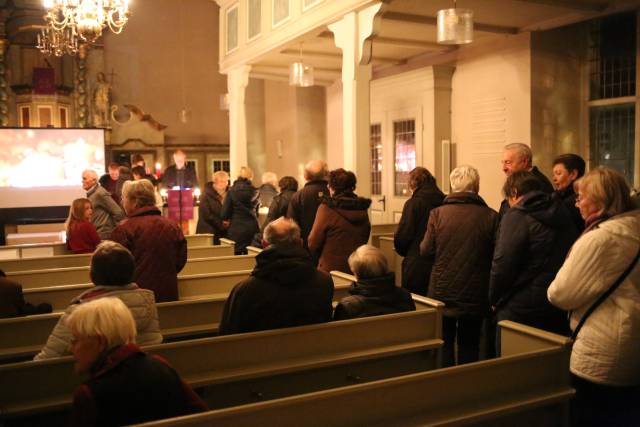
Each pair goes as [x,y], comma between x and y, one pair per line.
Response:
[535,236]
[240,207]
[459,244]
[413,223]
[157,243]
[374,292]
[341,224]
[209,218]
[567,168]
[605,355]
[112,269]
[126,385]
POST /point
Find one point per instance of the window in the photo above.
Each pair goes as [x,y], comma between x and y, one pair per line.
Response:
[280,12]
[232,28]
[376,158]
[612,134]
[254,18]
[221,165]
[308,4]
[404,140]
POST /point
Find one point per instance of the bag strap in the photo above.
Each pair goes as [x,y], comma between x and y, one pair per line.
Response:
[605,295]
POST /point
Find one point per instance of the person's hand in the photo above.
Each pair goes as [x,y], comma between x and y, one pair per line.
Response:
[226,224]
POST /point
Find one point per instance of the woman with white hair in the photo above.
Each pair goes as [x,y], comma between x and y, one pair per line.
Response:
[125,385]
[240,207]
[374,292]
[156,242]
[599,283]
[459,244]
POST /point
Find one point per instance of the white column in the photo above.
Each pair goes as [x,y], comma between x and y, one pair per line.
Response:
[352,35]
[237,81]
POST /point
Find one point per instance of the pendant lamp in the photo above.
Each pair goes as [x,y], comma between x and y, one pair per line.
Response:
[455,26]
[300,74]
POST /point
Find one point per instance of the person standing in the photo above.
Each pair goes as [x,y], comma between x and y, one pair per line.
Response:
[180,174]
[156,242]
[106,212]
[240,208]
[109,181]
[210,209]
[82,237]
[413,223]
[280,203]
[268,190]
[567,168]
[304,203]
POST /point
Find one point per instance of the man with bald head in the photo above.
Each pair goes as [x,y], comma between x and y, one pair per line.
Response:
[304,203]
[106,212]
[285,289]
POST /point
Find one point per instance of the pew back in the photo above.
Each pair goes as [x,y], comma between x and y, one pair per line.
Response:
[393,259]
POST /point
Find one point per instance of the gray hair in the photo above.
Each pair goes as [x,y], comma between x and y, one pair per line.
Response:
[465,178]
[140,193]
[271,178]
[282,231]
[90,172]
[316,170]
[523,151]
[106,317]
[367,262]
[220,175]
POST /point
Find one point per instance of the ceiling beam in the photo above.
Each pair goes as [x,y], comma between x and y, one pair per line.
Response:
[389,41]
[331,73]
[571,4]
[431,20]
[333,56]
[285,79]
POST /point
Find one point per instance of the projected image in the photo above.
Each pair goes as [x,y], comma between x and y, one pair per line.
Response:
[48,157]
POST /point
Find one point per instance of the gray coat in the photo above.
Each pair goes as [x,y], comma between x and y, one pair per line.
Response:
[141,302]
[106,213]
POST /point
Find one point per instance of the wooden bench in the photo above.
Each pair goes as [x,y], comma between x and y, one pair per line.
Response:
[393,259]
[76,275]
[528,386]
[241,368]
[83,260]
[189,287]
[381,230]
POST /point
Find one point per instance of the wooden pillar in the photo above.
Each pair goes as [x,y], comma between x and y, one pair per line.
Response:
[237,81]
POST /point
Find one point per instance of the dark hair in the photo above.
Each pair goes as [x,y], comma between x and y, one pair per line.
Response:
[420,176]
[114,165]
[112,265]
[571,162]
[137,158]
[342,181]
[2,274]
[288,183]
[520,183]
[139,170]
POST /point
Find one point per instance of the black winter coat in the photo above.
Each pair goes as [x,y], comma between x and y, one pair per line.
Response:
[304,205]
[284,289]
[266,193]
[279,206]
[409,234]
[534,239]
[209,214]
[547,187]
[171,178]
[240,206]
[374,297]
[459,244]
[568,197]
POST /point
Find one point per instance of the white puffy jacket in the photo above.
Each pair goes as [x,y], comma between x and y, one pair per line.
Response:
[141,302]
[607,349]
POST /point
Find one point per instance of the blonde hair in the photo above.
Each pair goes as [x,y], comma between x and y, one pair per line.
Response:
[465,178]
[367,262]
[140,192]
[76,213]
[245,172]
[607,188]
[106,317]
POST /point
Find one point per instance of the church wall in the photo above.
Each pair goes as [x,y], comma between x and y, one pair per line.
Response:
[280,125]
[255,111]
[491,107]
[335,145]
[146,59]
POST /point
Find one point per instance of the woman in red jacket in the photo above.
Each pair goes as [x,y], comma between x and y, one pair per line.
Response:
[82,237]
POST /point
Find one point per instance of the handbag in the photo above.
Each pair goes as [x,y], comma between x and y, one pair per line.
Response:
[605,295]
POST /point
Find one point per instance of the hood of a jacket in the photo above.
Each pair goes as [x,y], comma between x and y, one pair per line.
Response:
[350,207]
[544,208]
[464,197]
[382,287]
[284,264]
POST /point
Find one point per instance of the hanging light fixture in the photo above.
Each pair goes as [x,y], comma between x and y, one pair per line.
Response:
[57,42]
[87,17]
[455,26]
[300,74]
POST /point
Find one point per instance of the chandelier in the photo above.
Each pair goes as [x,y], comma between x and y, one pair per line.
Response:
[57,42]
[300,74]
[455,26]
[87,17]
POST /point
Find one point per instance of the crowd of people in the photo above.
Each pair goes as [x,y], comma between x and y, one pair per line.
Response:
[561,257]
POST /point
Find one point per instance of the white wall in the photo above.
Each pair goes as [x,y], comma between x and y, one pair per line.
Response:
[334,126]
[491,107]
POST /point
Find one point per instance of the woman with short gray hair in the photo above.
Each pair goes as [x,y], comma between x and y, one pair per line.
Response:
[458,244]
[374,292]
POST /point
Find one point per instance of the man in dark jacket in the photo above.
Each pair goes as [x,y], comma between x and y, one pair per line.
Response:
[109,181]
[459,244]
[304,203]
[179,174]
[240,208]
[284,289]
[413,224]
[210,209]
[374,292]
[268,190]
[156,242]
[518,157]
[535,236]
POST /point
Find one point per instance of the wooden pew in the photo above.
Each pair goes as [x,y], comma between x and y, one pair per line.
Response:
[76,275]
[199,240]
[381,230]
[528,386]
[22,337]
[237,368]
[83,260]
[393,259]
[189,287]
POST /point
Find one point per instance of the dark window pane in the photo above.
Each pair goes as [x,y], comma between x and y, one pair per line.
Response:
[612,134]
